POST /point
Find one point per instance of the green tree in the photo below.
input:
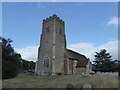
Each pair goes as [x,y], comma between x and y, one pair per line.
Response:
[27,65]
[10,59]
[32,65]
[103,61]
[119,68]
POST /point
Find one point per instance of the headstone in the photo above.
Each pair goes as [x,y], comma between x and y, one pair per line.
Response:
[87,87]
[69,86]
[98,72]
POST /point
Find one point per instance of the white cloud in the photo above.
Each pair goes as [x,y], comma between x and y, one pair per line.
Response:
[82,47]
[113,21]
[28,53]
[89,49]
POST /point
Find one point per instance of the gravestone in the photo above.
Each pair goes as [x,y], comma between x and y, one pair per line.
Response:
[87,87]
[69,86]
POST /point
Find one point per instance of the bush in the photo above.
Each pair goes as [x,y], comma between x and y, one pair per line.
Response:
[10,60]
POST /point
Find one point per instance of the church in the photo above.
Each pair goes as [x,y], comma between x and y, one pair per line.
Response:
[53,56]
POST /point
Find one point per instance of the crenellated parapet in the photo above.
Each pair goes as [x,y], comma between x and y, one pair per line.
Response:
[53,17]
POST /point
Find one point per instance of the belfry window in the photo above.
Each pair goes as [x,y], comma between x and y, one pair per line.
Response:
[60,31]
[47,28]
[46,63]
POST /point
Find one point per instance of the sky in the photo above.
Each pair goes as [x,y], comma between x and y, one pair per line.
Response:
[89,26]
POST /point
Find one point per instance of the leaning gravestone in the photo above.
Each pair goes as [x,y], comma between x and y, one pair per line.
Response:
[87,87]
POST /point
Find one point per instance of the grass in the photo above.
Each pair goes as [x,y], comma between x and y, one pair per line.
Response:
[31,81]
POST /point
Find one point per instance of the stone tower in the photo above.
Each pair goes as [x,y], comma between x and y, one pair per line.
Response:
[51,53]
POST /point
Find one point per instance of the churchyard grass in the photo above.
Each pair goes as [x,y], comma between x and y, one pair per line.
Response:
[31,81]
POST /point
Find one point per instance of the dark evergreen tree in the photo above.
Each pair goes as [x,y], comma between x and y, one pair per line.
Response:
[103,61]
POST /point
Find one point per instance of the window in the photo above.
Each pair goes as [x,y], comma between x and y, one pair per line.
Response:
[46,63]
[47,29]
[60,31]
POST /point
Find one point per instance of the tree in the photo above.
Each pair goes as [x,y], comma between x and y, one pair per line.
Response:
[10,59]
[103,61]
[119,68]
[27,65]
[31,65]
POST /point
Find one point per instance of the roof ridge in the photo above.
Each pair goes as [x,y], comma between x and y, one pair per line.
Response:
[75,52]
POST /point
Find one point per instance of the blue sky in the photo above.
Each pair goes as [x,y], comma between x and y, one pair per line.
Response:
[86,24]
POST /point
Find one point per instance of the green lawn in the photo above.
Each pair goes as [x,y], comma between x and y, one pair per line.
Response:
[31,81]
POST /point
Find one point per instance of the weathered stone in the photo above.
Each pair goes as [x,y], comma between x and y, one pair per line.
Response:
[87,87]
[52,47]
[69,85]
[53,57]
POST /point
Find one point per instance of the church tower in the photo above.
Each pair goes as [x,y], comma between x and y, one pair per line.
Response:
[51,53]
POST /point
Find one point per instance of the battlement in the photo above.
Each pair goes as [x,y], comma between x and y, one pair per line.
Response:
[53,17]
